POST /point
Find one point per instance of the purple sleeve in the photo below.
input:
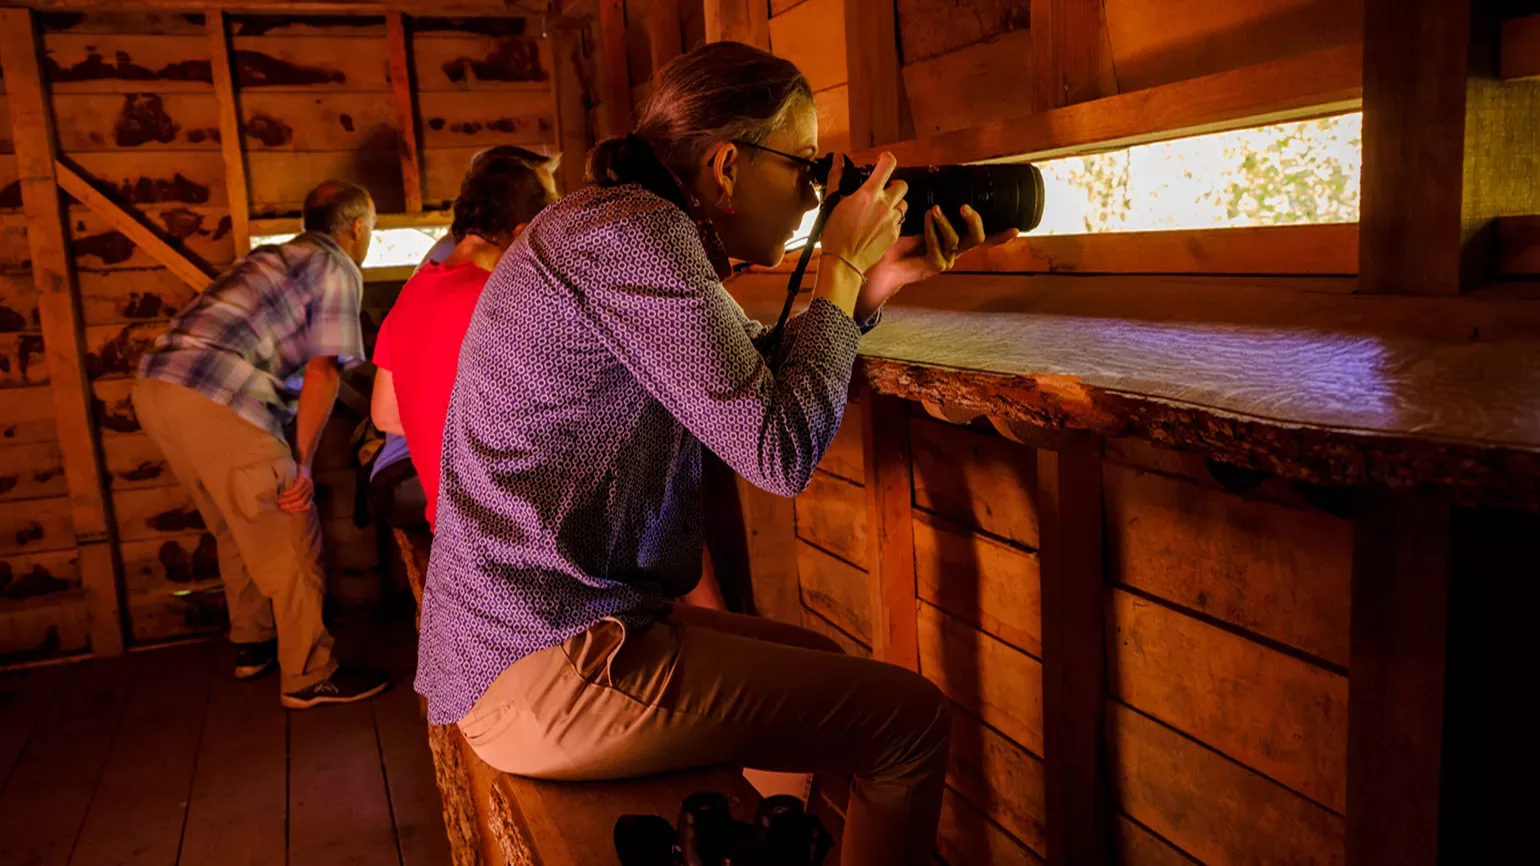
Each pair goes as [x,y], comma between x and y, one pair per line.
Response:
[653,299]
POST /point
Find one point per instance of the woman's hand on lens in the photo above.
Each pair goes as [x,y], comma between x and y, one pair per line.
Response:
[912,259]
[864,225]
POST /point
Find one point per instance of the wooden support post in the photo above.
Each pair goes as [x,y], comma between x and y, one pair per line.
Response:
[569,85]
[406,108]
[876,82]
[890,529]
[614,70]
[665,32]
[232,143]
[746,21]
[1069,506]
[1396,691]
[63,338]
[131,227]
[1071,53]
[1447,146]
[1521,48]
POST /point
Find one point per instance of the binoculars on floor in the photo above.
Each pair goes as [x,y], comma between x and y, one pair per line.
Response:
[783,834]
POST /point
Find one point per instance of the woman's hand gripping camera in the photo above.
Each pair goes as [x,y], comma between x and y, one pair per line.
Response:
[862,239]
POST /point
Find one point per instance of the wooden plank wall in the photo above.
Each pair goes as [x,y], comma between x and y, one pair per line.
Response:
[811,34]
[135,107]
[963,70]
[1239,759]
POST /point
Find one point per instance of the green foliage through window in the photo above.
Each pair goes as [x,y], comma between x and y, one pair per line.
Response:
[1303,172]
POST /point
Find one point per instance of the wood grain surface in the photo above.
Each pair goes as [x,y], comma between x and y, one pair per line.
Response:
[1335,389]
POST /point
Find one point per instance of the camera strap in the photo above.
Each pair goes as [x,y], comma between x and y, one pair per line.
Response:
[794,285]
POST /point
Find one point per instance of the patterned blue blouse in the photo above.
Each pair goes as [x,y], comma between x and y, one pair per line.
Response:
[603,354]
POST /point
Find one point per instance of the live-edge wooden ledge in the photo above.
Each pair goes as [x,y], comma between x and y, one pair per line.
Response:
[1321,387]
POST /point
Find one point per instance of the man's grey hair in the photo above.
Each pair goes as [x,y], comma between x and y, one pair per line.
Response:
[334,205]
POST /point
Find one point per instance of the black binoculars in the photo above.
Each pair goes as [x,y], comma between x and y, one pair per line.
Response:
[1006,195]
[783,834]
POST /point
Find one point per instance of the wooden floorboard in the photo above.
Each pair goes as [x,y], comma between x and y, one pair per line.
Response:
[24,695]
[335,759]
[403,733]
[137,815]
[46,798]
[163,757]
[414,797]
[236,815]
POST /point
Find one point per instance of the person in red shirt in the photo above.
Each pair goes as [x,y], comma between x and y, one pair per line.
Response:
[418,347]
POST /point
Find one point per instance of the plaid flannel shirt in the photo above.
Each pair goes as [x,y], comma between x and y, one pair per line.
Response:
[245,340]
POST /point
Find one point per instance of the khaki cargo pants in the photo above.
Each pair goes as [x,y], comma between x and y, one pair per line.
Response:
[270,560]
[702,688]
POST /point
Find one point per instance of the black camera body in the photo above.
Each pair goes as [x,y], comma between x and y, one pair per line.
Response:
[783,834]
[1006,195]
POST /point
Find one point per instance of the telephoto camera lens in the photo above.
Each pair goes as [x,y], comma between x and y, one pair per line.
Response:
[1006,195]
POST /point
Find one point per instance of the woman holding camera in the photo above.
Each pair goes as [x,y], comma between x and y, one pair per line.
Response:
[603,355]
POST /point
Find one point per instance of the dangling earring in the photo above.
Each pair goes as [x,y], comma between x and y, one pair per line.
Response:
[727,209]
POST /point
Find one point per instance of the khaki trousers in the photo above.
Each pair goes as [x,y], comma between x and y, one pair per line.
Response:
[269,560]
[702,688]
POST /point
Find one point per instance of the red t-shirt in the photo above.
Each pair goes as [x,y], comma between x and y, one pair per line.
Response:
[419,343]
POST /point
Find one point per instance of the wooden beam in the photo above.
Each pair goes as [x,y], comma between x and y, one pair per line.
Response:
[890,529]
[292,225]
[1071,53]
[121,220]
[665,32]
[1069,505]
[746,21]
[614,70]
[876,83]
[1310,85]
[1396,692]
[334,7]
[406,108]
[1520,48]
[1447,147]
[1416,62]
[1518,246]
[569,92]
[1324,249]
[61,320]
[232,142]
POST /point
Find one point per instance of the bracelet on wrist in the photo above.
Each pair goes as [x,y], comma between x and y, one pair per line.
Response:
[858,272]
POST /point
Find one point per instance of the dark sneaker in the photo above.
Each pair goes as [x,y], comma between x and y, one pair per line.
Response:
[346,685]
[254,659]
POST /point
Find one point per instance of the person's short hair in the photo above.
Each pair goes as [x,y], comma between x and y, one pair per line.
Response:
[334,205]
[503,189]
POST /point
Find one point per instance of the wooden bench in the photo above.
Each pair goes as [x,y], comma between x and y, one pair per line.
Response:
[496,819]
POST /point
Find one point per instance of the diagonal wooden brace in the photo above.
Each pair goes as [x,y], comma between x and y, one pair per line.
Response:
[121,220]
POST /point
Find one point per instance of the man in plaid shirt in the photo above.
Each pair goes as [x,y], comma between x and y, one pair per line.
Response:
[213,394]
